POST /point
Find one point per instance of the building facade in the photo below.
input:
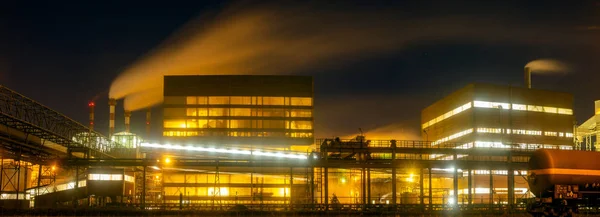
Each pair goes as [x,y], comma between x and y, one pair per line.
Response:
[493,116]
[239,110]
[588,133]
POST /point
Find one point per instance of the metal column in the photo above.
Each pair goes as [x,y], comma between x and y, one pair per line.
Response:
[369,187]
[291,187]
[326,188]
[364,187]
[470,186]
[143,199]
[394,187]
[430,191]
[511,184]
[491,190]
[455,187]
[421,190]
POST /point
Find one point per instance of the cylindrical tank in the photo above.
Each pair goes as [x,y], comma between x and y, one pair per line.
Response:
[549,167]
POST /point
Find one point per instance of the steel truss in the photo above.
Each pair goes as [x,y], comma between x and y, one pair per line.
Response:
[30,117]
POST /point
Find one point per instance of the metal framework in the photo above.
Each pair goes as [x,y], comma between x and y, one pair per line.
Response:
[32,118]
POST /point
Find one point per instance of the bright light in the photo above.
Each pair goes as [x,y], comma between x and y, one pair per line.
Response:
[343,180]
[225,151]
[451,200]
[410,179]
[53,168]
[167,160]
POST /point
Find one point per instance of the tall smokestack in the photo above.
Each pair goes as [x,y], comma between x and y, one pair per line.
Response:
[111,122]
[91,105]
[528,77]
[148,117]
[127,118]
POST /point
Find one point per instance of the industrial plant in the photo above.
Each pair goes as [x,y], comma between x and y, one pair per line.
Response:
[232,141]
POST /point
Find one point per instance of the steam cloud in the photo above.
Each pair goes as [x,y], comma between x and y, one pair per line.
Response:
[275,39]
[547,66]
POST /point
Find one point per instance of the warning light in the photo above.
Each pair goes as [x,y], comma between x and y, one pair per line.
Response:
[91,104]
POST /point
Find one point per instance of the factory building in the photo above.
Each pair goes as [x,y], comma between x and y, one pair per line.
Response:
[239,110]
[589,132]
[493,116]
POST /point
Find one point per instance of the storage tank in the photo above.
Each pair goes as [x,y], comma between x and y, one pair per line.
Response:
[549,167]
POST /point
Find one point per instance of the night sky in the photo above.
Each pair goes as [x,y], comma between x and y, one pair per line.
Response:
[64,54]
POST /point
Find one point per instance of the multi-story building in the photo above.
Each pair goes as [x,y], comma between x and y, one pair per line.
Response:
[239,110]
[589,132]
[493,116]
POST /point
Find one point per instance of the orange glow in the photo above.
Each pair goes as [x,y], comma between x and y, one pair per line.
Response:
[167,160]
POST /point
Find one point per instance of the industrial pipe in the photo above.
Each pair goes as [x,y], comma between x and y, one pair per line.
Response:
[111,123]
[528,77]
[127,118]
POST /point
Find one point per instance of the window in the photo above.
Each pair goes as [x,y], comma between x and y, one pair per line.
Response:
[300,113]
[447,115]
[489,130]
[299,125]
[549,133]
[217,124]
[550,109]
[192,123]
[268,100]
[218,100]
[565,111]
[272,124]
[241,100]
[174,112]
[301,101]
[519,107]
[217,112]
[272,112]
[240,124]
[569,135]
[191,112]
[240,112]
[202,112]
[299,135]
[191,100]
[535,108]
[484,104]
[174,124]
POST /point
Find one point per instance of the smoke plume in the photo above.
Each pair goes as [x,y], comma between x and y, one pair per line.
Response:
[291,38]
[547,66]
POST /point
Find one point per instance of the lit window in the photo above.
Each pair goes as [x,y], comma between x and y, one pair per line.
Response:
[272,112]
[192,123]
[174,124]
[191,100]
[561,134]
[273,124]
[453,136]
[569,135]
[301,101]
[240,124]
[550,109]
[519,107]
[240,112]
[191,112]
[218,100]
[202,112]
[268,100]
[299,125]
[489,130]
[300,113]
[218,112]
[447,115]
[535,108]
[565,111]
[241,100]
[299,135]
[549,133]
[484,104]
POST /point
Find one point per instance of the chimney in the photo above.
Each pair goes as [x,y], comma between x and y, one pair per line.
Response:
[148,117]
[127,118]
[111,122]
[91,105]
[597,111]
[528,77]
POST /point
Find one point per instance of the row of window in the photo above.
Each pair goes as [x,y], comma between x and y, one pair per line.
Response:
[238,112]
[453,136]
[110,177]
[234,124]
[248,100]
[524,132]
[498,105]
[238,134]
[487,144]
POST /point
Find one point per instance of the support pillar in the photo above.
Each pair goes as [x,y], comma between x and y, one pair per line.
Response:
[430,190]
[369,201]
[394,187]
[39,181]
[77,187]
[421,190]
[18,169]
[455,188]
[291,188]
[326,188]
[470,186]
[511,188]
[364,188]
[143,199]
[491,190]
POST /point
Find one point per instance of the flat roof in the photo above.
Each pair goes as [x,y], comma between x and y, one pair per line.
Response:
[238,85]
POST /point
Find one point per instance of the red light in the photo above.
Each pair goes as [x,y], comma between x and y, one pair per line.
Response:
[147,123]
[91,104]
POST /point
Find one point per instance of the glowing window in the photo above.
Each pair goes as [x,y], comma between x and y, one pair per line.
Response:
[561,134]
[569,135]
[191,112]
[447,115]
[565,111]
[549,133]
[300,113]
[240,124]
[299,135]
[550,109]
[273,124]
[174,124]
[272,113]
[203,112]
[299,125]
[489,130]
[484,104]
[240,112]
[217,112]
[217,124]
[191,100]
[218,100]
[535,108]
[301,101]
[192,123]
[519,107]
[241,100]
[453,136]
[268,100]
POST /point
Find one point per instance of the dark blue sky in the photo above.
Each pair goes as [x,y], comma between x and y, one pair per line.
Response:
[64,54]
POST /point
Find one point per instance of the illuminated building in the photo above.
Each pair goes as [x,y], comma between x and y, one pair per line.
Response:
[589,132]
[492,116]
[239,110]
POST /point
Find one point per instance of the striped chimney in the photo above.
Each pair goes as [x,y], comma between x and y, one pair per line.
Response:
[111,122]
[127,118]
[91,105]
